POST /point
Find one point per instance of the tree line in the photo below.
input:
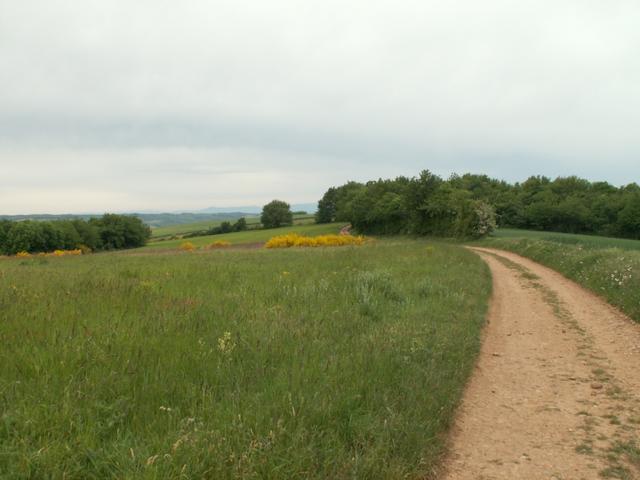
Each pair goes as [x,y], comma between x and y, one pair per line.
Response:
[469,206]
[225,227]
[109,232]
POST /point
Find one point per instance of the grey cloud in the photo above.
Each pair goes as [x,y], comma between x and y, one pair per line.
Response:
[324,90]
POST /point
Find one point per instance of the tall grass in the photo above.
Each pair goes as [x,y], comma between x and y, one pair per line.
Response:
[597,263]
[320,363]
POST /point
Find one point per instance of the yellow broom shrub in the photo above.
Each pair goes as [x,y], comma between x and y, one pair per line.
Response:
[187,247]
[295,240]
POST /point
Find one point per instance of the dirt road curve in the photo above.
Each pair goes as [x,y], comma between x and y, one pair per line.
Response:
[556,391]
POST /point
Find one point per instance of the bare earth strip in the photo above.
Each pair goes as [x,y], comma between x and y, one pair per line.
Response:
[556,391]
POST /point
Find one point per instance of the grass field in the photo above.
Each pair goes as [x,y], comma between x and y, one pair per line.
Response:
[609,267]
[301,363]
[170,230]
[250,236]
[183,229]
[589,241]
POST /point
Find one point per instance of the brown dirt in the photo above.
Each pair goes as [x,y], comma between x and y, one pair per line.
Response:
[556,391]
[176,251]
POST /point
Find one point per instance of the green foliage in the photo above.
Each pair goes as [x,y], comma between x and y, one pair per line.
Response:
[106,233]
[429,205]
[220,366]
[424,205]
[225,227]
[276,214]
[121,231]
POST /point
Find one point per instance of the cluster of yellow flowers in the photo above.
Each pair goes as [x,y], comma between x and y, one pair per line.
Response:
[187,246]
[218,244]
[295,240]
[190,247]
[55,253]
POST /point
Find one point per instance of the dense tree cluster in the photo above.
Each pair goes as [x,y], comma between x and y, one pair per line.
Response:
[423,205]
[462,206]
[109,232]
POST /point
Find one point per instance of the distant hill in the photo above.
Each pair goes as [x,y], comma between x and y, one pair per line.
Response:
[307,207]
[156,220]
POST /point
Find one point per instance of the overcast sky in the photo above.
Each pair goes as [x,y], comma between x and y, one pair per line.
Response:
[149,104]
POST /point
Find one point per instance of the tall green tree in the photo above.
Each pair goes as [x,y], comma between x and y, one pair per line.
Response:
[276,214]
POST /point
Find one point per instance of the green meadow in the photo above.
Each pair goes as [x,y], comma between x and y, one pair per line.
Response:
[300,363]
[183,229]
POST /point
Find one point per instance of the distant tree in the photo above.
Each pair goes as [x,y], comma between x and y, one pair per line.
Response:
[276,214]
[240,225]
[225,227]
[326,212]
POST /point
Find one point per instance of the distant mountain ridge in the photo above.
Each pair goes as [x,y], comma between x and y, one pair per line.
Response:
[307,207]
[168,218]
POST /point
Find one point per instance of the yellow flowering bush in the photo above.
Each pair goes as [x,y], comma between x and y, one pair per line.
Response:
[187,247]
[63,253]
[55,253]
[218,244]
[295,240]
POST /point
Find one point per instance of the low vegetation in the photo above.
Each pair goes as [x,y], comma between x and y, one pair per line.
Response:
[609,267]
[298,363]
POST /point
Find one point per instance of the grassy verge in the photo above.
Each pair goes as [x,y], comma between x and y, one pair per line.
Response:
[302,363]
[608,267]
[587,241]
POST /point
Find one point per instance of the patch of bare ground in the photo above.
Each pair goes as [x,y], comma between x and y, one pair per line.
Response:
[177,251]
[556,391]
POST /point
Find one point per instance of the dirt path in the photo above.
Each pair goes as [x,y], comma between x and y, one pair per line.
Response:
[557,387]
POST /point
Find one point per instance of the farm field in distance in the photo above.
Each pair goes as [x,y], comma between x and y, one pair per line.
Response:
[183,229]
[249,236]
[299,363]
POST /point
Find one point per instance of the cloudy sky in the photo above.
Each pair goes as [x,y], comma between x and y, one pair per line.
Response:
[151,104]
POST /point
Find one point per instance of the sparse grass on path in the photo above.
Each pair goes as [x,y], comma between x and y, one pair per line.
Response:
[608,267]
[301,363]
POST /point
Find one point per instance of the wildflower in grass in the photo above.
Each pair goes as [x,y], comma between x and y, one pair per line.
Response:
[23,254]
[226,345]
[187,247]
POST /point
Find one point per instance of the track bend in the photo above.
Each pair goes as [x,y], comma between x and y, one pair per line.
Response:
[556,391]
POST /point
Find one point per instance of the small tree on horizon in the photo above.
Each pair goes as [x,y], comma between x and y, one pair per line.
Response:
[276,214]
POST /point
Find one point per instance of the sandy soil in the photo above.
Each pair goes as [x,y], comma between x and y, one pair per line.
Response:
[556,390]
